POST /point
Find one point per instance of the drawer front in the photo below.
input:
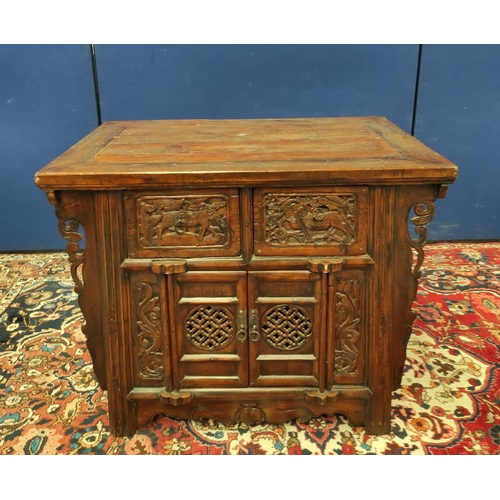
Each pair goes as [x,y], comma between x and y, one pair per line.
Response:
[311,221]
[191,224]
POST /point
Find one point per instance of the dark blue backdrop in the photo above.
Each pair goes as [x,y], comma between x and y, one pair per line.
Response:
[257,81]
[47,103]
[458,115]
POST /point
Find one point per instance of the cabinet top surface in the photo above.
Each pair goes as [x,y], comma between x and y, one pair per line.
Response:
[245,152]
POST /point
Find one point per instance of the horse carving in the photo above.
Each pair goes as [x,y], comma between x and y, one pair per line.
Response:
[302,220]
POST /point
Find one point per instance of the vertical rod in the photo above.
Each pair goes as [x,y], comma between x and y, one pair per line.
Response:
[331,331]
[173,332]
[324,329]
[167,334]
[417,84]
[96,84]
[247,221]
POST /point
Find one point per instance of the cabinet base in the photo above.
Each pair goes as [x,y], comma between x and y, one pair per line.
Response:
[253,407]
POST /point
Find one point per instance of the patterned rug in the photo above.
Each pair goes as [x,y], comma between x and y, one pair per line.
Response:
[449,402]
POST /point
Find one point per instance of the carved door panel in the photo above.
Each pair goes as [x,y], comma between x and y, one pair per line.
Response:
[210,330]
[284,325]
[350,322]
[149,348]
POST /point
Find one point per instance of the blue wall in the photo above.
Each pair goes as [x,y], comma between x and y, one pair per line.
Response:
[458,115]
[257,81]
[47,103]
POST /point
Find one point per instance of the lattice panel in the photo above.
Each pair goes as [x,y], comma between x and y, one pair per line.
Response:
[286,327]
[210,327]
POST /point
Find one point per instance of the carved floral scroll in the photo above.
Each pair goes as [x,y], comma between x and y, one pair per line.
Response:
[149,331]
[347,321]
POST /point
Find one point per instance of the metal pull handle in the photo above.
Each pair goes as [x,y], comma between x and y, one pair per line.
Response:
[241,319]
[254,325]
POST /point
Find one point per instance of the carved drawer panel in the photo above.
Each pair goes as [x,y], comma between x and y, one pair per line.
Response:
[311,221]
[191,224]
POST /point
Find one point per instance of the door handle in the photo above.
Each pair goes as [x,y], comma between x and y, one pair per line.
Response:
[241,320]
[254,325]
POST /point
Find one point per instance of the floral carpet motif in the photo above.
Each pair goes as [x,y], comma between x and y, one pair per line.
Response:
[449,402]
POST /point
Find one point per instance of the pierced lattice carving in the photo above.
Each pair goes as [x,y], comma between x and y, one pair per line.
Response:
[183,221]
[286,327]
[310,220]
[149,331]
[210,327]
[348,317]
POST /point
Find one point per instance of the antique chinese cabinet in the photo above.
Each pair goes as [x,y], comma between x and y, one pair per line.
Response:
[247,270]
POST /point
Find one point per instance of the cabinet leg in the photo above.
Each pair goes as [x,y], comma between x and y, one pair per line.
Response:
[123,423]
[378,419]
[377,428]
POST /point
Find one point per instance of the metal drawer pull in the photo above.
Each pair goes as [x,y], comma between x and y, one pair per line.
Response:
[241,320]
[254,325]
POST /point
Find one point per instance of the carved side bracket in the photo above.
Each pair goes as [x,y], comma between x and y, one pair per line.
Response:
[68,228]
[424,212]
[74,211]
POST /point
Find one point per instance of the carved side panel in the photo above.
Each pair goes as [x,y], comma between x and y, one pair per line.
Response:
[348,319]
[149,339]
[417,210]
[188,221]
[76,223]
[310,220]
[423,214]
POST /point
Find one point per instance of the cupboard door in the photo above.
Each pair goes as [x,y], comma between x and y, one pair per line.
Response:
[210,329]
[284,326]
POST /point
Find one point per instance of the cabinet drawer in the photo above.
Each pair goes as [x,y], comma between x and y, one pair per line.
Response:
[311,221]
[191,224]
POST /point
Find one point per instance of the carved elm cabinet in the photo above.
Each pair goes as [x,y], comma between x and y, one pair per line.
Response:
[247,270]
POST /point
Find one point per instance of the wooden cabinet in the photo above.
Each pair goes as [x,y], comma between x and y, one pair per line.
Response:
[247,270]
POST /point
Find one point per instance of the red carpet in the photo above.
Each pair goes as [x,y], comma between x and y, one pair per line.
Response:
[449,402]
